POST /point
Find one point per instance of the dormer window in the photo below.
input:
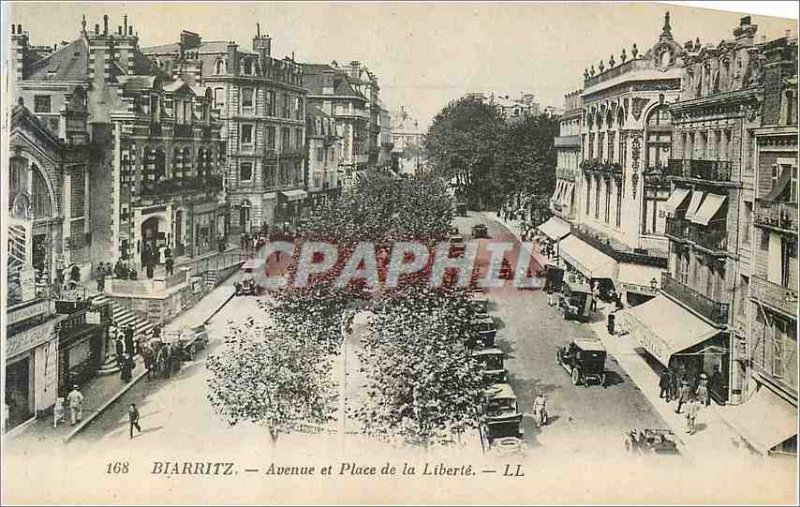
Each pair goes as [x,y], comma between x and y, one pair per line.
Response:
[248,67]
[219,67]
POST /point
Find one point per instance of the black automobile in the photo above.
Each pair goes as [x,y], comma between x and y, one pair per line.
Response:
[491,363]
[584,360]
[480,231]
[500,428]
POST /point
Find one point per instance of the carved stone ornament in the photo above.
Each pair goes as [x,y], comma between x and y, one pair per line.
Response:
[636,150]
[638,106]
[634,183]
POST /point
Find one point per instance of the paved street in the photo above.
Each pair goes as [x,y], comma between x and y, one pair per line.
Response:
[583,419]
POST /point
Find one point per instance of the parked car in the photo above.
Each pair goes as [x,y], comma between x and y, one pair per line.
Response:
[491,361]
[486,329]
[576,301]
[584,360]
[190,339]
[502,418]
[480,231]
[650,440]
[481,307]
[457,245]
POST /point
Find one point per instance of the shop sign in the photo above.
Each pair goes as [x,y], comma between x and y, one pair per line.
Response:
[15,315]
[197,285]
[93,318]
[651,342]
[31,338]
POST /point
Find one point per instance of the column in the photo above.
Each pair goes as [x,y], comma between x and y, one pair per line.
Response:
[66,213]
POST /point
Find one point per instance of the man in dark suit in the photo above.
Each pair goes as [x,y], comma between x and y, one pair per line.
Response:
[133,419]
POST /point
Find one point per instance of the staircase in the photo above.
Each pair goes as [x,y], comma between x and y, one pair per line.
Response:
[123,318]
[210,278]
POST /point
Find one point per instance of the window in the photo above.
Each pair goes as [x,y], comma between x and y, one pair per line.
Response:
[298,138]
[792,183]
[744,288]
[597,199]
[246,171]
[764,241]
[219,97]
[247,100]
[270,103]
[600,139]
[41,103]
[747,220]
[588,191]
[608,200]
[270,138]
[611,146]
[246,137]
[285,139]
[219,67]
[319,154]
[619,202]
[248,67]
[286,106]
[791,112]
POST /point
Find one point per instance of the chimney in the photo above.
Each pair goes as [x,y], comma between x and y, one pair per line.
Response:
[19,49]
[125,25]
[97,29]
[745,32]
[232,65]
[105,24]
[119,30]
[355,67]
[262,44]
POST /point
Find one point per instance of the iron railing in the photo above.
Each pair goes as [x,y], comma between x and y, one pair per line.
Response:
[714,311]
[776,214]
[714,239]
[706,170]
[605,246]
[773,294]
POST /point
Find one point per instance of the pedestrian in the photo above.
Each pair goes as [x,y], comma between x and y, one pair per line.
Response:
[692,409]
[129,341]
[133,418]
[665,383]
[147,357]
[701,393]
[595,295]
[169,265]
[684,396]
[101,276]
[75,400]
[120,349]
[127,369]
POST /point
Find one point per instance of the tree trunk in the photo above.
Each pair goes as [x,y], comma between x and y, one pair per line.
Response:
[273,435]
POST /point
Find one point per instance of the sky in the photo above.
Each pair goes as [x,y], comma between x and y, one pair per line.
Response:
[424,54]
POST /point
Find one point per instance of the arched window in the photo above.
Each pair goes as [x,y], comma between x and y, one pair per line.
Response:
[620,118]
[609,120]
[219,97]
[41,202]
[219,67]
[659,137]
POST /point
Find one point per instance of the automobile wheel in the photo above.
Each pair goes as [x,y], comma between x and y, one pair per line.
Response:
[576,376]
[603,380]
[192,352]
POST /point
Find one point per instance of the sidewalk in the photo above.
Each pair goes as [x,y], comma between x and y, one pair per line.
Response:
[713,434]
[102,391]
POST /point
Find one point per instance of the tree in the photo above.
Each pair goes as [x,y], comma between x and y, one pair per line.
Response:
[271,379]
[461,146]
[528,158]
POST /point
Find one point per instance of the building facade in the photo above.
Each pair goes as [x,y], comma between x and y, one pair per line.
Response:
[406,142]
[568,157]
[324,147]
[262,107]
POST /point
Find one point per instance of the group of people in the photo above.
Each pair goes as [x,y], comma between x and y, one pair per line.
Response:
[691,389]
[125,348]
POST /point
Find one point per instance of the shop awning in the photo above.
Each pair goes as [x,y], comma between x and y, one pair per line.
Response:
[708,209]
[676,199]
[559,188]
[636,277]
[585,258]
[694,204]
[294,195]
[555,228]
[765,420]
[665,328]
[780,185]
[565,196]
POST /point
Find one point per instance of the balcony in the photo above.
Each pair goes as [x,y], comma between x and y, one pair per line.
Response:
[712,239]
[783,299]
[777,215]
[599,166]
[618,252]
[146,286]
[209,184]
[711,171]
[37,308]
[711,310]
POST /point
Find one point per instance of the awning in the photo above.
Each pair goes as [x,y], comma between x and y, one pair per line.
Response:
[694,204]
[294,195]
[780,185]
[708,209]
[559,188]
[555,228]
[585,258]
[565,196]
[665,328]
[676,199]
[765,420]
[636,277]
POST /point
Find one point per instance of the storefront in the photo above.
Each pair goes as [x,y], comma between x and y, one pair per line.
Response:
[637,283]
[586,264]
[81,347]
[779,435]
[290,203]
[677,338]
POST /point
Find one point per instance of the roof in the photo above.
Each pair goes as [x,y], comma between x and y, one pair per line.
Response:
[313,110]
[313,80]
[590,345]
[21,113]
[501,391]
[70,63]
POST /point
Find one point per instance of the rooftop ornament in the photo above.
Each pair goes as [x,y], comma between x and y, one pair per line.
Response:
[611,61]
[601,66]
[634,51]
[623,56]
[591,71]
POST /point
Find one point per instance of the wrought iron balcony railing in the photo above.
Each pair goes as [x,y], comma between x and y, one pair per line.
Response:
[706,170]
[714,311]
[776,214]
[211,183]
[774,295]
[619,254]
[713,239]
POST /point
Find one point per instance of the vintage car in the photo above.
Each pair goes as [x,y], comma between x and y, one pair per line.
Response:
[554,276]
[650,440]
[486,329]
[480,231]
[454,231]
[461,209]
[576,301]
[491,361]
[584,360]
[457,245]
[502,419]
[481,307]
[190,339]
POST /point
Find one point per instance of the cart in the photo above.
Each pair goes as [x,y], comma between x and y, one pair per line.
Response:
[188,339]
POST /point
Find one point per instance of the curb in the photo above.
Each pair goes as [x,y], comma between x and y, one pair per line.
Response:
[221,306]
[104,406]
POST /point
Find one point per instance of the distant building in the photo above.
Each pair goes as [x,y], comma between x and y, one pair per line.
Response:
[564,203]
[386,142]
[406,142]
[324,147]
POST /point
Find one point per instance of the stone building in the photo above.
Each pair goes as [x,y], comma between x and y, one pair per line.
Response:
[323,156]
[617,233]
[343,95]
[262,105]
[406,142]
[767,359]
[385,140]
[568,156]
